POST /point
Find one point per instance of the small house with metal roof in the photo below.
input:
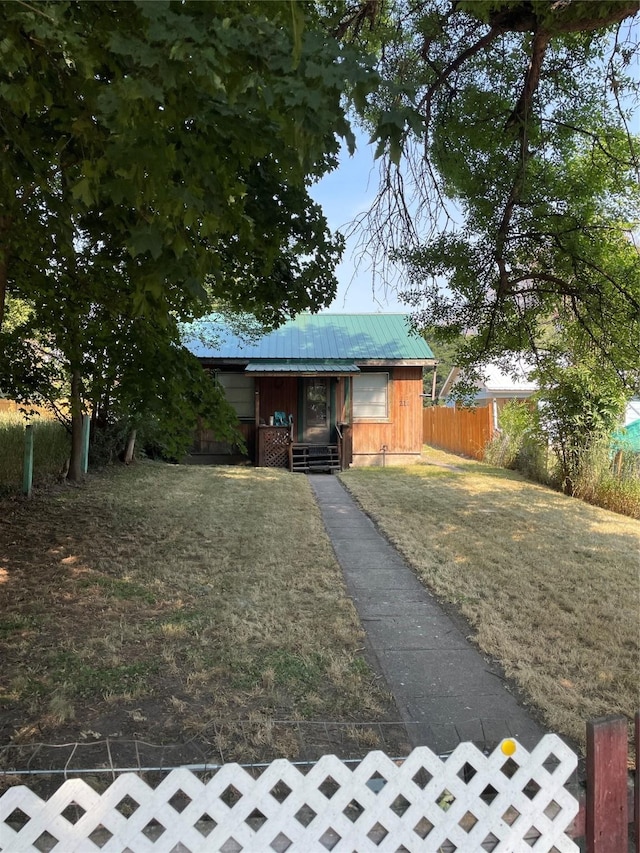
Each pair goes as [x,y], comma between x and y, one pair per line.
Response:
[321,392]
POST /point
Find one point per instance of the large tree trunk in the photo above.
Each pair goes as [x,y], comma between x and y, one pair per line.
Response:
[131,443]
[75,473]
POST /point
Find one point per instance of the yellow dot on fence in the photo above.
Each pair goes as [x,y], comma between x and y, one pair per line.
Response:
[508,747]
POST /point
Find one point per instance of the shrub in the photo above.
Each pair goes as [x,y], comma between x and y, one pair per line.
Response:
[518,444]
[610,480]
[579,407]
[601,476]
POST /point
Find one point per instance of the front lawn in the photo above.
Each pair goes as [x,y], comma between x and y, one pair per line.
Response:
[182,605]
[549,584]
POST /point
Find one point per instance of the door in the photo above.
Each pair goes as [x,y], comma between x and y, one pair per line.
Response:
[316,423]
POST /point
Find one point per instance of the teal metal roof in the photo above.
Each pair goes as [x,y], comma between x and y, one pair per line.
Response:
[313,337]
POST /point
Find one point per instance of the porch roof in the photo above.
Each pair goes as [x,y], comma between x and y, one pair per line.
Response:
[327,366]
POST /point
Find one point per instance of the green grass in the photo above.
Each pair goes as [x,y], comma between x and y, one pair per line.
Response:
[121,589]
[51,446]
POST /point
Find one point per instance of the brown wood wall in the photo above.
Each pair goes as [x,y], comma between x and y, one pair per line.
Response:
[278,394]
[403,432]
[466,431]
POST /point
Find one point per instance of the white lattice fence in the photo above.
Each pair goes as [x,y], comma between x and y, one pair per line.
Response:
[470,802]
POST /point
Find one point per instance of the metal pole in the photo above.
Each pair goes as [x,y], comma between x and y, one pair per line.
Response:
[86,424]
[27,475]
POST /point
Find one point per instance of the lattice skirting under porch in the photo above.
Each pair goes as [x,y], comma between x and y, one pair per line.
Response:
[469,802]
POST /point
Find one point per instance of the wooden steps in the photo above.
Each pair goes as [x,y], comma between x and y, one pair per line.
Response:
[314,458]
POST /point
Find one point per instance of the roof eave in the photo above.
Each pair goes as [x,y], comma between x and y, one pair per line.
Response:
[360,362]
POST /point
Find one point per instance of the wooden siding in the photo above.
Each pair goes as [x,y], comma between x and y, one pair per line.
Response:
[465,431]
[277,394]
[402,432]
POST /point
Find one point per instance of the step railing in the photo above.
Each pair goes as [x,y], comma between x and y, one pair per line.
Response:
[307,458]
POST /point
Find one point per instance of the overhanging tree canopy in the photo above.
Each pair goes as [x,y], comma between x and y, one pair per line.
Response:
[509,178]
[156,157]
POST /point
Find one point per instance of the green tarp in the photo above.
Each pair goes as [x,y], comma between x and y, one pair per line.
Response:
[627,438]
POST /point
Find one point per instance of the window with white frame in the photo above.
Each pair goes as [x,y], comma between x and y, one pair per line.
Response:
[239,390]
[371,396]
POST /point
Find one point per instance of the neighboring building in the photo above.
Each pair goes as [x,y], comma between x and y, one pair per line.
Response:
[632,413]
[323,391]
[499,388]
[495,390]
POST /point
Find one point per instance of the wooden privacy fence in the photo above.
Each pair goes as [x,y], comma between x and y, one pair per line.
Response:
[12,407]
[465,431]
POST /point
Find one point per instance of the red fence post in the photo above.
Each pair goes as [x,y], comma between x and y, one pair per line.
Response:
[636,787]
[606,799]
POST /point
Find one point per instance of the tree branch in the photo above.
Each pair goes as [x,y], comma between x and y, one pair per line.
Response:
[519,117]
[522,109]
[596,139]
[427,98]
[522,18]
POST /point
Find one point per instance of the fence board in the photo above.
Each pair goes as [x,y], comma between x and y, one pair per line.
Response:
[464,431]
[636,786]
[607,815]
[11,407]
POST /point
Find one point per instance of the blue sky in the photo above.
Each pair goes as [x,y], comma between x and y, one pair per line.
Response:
[343,194]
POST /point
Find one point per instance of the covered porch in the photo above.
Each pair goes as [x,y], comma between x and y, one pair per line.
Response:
[297,417]
[303,415]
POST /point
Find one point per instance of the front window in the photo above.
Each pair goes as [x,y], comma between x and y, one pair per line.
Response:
[239,390]
[371,396]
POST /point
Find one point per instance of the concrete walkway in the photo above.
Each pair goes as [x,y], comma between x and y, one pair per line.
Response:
[445,690]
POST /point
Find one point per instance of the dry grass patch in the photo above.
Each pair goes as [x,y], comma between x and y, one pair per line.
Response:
[50,449]
[157,601]
[549,584]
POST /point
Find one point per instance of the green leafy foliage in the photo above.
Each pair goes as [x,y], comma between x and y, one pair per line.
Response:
[580,405]
[515,202]
[157,157]
[519,443]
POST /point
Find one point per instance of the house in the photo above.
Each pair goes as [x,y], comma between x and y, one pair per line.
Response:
[632,412]
[498,388]
[495,389]
[323,391]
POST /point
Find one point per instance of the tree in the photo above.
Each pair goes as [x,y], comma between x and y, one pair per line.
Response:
[509,172]
[157,156]
[578,405]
